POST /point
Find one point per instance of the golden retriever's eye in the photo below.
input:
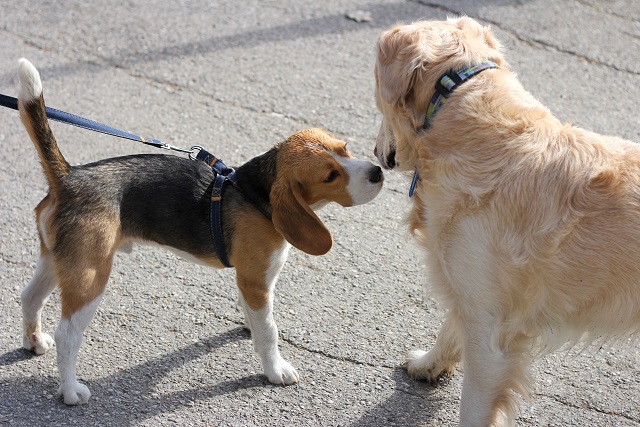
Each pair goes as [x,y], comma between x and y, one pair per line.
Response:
[332,176]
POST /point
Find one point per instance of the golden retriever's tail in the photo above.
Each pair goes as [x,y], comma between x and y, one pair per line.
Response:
[34,117]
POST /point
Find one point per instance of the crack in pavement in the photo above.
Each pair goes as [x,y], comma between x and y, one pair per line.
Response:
[532,41]
[599,8]
[8,260]
[586,405]
[333,357]
[298,346]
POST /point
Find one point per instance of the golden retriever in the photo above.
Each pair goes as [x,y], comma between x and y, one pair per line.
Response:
[532,227]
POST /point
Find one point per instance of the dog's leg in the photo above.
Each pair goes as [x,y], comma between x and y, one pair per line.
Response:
[68,341]
[34,297]
[257,287]
[243,305]
[82,283]
[441,360]
[493,370]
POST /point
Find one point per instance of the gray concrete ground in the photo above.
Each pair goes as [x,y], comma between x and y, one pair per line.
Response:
[167,345]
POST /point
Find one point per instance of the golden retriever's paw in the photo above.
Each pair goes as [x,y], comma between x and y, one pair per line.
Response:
[423,365]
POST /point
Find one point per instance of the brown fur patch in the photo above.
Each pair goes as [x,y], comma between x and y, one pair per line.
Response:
[83,262]
[254,243]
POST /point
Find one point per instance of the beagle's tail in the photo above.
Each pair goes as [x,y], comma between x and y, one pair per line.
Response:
[34,118]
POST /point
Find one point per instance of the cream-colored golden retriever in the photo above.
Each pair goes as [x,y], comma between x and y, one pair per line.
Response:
[532,227]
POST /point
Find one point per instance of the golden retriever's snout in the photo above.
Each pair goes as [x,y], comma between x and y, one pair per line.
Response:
[385,149]
[389,161]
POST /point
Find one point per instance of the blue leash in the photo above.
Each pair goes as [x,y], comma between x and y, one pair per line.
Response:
[81,122]
[222,172]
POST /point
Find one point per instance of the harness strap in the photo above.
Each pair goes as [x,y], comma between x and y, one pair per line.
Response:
[223,174]
[216,219]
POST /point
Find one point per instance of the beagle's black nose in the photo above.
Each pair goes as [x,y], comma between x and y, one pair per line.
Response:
[375,174]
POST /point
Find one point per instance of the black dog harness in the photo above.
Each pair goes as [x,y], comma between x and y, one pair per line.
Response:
[223,174]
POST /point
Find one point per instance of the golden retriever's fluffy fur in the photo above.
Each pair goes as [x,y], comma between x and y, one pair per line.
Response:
[532,227]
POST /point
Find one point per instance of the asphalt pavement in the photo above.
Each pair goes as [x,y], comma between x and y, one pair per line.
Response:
[167,346]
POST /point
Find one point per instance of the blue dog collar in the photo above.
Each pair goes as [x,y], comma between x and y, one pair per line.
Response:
[444,88]
[450,82]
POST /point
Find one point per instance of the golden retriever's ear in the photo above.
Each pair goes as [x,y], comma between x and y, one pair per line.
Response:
[400,53]
[481,41]
[294,219]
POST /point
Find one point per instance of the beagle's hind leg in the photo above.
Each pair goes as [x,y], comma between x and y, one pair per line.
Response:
[68,339]
[81,290]
[37,292]
[33,298]
[83,272]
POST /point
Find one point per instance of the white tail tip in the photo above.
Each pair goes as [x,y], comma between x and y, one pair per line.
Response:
[30,84]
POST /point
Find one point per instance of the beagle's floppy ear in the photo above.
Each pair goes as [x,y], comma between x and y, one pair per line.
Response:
[401,52]
[294,219]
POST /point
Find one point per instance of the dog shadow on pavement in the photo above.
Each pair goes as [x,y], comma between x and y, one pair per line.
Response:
[412,403]
[146,390]
[123,398]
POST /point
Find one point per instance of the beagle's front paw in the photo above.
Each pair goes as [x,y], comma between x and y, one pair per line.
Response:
[281,372]
[38,342]
[74,393]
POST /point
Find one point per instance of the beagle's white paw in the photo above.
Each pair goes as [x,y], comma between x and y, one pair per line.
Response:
[281,372]
[74,393]
[38,342]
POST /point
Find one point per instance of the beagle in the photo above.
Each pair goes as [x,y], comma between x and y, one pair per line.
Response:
[93,210]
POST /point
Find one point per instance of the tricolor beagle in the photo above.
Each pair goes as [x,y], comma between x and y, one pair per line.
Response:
[94,210]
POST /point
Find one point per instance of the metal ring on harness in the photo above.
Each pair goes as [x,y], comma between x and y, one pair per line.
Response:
[193,149]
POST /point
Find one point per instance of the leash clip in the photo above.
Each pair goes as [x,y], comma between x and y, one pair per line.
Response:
[163,145]
[193,152]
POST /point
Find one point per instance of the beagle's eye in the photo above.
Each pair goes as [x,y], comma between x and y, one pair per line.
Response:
[332,176]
